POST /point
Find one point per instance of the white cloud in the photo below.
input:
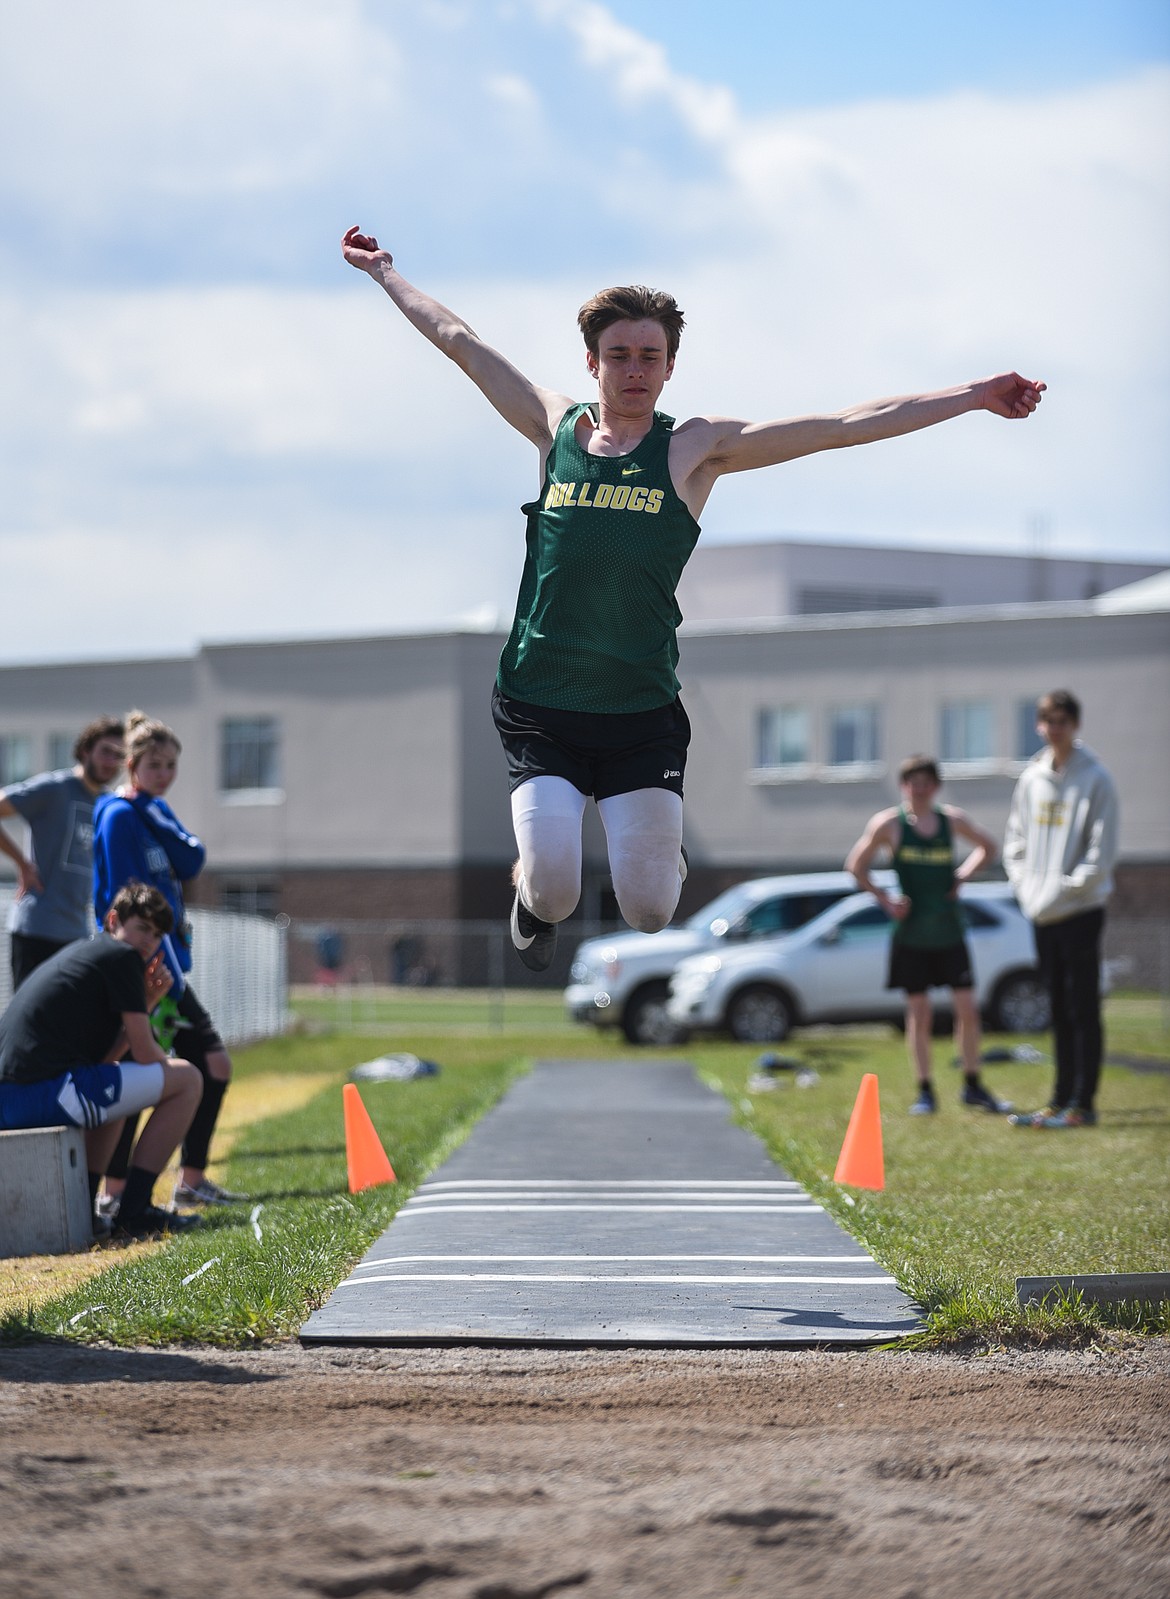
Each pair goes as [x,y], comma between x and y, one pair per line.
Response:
[311,453]
[130,98]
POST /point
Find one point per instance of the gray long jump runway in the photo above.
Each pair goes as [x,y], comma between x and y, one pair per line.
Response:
[613,1203]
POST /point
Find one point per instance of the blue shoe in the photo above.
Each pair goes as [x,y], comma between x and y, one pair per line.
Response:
[925,1104]
[983,1099]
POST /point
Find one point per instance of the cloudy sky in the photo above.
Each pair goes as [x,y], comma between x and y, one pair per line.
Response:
[213,428]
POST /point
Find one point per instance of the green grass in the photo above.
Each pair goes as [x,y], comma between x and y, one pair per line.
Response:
[969,1204]
[377,1010]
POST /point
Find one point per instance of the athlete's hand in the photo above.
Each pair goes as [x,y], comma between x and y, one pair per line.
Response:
[362,250]
[1012,396]
[896,906]
[159,980]
[30,880]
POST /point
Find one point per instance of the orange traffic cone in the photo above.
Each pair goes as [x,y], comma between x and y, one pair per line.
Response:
[860,1163]
[366,1161]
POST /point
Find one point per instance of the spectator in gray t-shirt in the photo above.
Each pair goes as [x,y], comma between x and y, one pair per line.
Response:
[56,877]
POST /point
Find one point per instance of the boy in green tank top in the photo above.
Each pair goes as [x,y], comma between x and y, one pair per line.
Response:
[586,699]
[928,949]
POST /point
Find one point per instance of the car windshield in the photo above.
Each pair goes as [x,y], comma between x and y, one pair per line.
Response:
[753,915]
[729,907]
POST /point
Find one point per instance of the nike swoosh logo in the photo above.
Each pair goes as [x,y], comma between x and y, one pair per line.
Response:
[629,471]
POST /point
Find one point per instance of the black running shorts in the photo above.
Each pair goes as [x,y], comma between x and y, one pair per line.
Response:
[600,754]
[916,970]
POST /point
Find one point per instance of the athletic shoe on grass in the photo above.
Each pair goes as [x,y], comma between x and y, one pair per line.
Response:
[925,1104]
[535,941]
[206,1193]
[152,1222]
[1068,1118]
[1034,1118]
[983,1099]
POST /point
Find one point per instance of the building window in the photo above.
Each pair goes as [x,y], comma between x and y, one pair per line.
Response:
[251,896]
[853,735]
[1028,740]
[16,758]
[249,754]
[783,736]
[60,749]
[826,599]
[967,731]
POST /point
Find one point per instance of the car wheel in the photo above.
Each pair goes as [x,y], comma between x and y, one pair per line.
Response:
[1021,1005]
[760,1014]
[645,1019]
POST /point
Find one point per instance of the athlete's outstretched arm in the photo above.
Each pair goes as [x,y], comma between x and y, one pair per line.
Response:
[722,444]
[532,410]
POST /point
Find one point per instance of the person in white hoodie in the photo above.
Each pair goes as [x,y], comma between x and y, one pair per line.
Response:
[1058,852]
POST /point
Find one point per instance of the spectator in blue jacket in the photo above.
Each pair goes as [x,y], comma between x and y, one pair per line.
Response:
[137,837]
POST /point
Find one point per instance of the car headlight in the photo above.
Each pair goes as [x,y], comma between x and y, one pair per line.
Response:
[579,972]
[696,980]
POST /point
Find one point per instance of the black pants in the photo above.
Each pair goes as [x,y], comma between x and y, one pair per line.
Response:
[1069,954]
[193,1043]
[27,952]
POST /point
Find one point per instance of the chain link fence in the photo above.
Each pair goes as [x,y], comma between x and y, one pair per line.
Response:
[240,970]
[349,965]
[244,966]
[426,954]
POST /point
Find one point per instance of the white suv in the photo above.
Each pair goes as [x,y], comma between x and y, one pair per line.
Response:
[622,981]
[833,969]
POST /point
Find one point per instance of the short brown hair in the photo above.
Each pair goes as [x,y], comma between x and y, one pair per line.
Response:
[143,733]
[635,303]
[919,763]
[103,727]
[1059,699]
[139,899]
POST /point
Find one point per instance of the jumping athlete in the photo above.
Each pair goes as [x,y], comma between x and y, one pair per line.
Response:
[587,700]
[928,949]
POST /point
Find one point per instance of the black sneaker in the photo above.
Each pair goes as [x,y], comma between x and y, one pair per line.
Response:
[983,1099]
[925,1104]
[152,1222]
[535,941]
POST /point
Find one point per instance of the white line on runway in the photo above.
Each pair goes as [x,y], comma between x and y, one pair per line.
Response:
[614,1182]
[411,1209]
[531,1195]
[748,1260]
[614,1277]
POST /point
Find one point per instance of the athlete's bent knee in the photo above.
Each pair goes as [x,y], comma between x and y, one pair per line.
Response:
[551,898]
[645,916]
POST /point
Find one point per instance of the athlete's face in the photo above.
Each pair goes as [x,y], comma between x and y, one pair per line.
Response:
[103,762]
[918,790]
[156,770]
[1059,732]
[631,366]
[136,931]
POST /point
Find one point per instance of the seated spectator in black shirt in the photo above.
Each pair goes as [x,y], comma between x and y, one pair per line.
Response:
[66,1030]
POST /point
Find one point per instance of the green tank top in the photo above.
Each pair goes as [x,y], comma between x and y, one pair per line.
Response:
[596,616]
[926,876]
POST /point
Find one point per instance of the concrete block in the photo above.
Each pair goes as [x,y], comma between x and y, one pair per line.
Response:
[1101,1288]
[44,1192]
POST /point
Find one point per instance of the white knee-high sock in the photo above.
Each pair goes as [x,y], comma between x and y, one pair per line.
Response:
[546,818]
[644,834]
